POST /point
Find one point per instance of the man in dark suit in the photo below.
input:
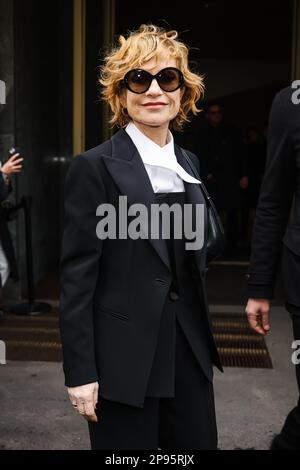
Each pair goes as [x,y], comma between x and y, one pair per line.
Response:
[276,232]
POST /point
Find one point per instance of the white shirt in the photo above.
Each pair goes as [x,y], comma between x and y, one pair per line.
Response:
[165,173]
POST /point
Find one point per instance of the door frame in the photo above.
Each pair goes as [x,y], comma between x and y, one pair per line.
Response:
[107,23]
[79,43]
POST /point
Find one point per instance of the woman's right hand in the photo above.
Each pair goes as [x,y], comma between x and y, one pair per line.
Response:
[84,400]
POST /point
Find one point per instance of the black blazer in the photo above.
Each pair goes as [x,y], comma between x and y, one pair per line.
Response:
[113,291]
[274,230]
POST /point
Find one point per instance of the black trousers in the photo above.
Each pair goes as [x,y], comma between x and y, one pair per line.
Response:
[186,421]
[289,437]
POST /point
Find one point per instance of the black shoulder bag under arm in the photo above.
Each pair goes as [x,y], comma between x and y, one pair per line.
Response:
[216,240]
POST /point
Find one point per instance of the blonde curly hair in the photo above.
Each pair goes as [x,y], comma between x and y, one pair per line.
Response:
[132,52]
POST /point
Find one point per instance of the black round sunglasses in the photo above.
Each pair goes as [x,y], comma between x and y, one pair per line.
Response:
[139,81]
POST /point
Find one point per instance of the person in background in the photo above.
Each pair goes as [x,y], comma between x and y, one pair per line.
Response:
[256,160]
[222,155]
[8,265]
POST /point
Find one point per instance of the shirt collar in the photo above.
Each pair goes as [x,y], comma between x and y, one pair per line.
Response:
[149,151]
[153,154]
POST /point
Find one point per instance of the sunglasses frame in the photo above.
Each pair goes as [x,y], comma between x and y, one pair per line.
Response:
[151,78]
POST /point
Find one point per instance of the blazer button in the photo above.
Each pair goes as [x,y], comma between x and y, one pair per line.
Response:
[173,295]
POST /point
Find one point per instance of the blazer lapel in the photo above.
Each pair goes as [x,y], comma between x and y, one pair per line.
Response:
[127,169]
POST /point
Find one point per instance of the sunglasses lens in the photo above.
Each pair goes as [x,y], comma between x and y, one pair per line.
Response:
[138,81]
[169,79]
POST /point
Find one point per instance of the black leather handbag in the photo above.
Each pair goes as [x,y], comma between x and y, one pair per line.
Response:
[216,240]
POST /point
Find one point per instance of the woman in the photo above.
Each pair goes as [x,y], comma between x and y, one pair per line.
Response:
[136,335]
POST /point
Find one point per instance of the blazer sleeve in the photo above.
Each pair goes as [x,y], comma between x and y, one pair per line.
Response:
[275,202]
[79,267]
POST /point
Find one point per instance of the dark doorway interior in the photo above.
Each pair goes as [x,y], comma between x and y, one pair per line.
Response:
[43,38]
[243,49]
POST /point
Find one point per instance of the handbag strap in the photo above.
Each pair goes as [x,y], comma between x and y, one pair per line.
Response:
[196,174]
